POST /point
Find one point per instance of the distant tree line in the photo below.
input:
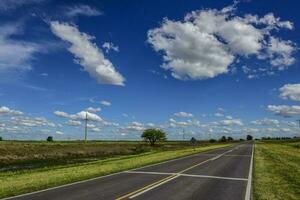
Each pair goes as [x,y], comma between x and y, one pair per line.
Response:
[278,138]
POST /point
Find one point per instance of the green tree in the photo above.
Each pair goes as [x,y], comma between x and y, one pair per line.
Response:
[249,137]
[193,140]
[229,138]
[49,139]
[212,140]
[1,138]
[223,139]
[154,135]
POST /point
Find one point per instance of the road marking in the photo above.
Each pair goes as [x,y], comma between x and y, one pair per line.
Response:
[108,175]
[189,175]
[165,180]
[214,177]
[248,189]
[234,155]
[154,173]
[146,187]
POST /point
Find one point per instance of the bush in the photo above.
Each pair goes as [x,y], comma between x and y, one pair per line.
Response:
[49,139]
[154,135]
[212,140]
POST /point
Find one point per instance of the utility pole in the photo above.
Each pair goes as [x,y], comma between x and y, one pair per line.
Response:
[85,130]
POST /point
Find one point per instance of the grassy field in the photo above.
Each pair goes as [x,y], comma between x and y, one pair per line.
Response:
[23,155]
[20,179]
[277,170]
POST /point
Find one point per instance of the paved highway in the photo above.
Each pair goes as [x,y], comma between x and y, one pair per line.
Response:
[214,175]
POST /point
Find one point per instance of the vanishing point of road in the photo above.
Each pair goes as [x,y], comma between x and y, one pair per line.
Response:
[213,175]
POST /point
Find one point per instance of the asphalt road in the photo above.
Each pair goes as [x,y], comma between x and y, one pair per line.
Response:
[218,174]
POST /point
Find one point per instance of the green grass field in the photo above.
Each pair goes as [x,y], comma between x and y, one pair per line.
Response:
[277,170]
[100,158]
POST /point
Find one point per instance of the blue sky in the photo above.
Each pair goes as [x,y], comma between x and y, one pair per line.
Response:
[210,68]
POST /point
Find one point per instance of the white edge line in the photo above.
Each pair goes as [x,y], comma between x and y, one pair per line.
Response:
[249,183]
[155,186]
[100,177]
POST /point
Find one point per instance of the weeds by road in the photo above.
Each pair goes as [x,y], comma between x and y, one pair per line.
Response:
[277,170]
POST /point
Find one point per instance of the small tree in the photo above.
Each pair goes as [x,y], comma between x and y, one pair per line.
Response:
[229,138]
[153,135]
[249,137]
[223,139]
[193,141]
[1,138]
[212,140]
[49,139]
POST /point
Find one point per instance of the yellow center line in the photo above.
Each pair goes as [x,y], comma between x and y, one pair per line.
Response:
[126,196]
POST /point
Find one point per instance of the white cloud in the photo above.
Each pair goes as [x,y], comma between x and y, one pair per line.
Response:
[280,52]
[59,133]
[5,110]
[135,126]
[207,41]
[88,55]
[93,110]
[266,122]
[284,110]
[105,103]
[173,123]
[82,10]
[15,55]
[82,115]
[110,46]
[31,122]
[290,91]
[231,122]
[74,123]
[218,114]
[183,114]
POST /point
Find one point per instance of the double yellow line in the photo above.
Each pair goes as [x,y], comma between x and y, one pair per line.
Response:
[126,196]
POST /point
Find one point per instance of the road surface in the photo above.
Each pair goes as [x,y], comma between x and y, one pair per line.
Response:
[214,175]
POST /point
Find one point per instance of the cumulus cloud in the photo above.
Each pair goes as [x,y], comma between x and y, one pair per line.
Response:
[74,123]
[206,42]
[231,122]
[173,123]
[266,122]
[183,114]
[135,126]
[280,52]
[82,10]
[110,46]
[7,111]
[105,103]
[31,122]
[290,91]
[15,55]
[284,110]
[93,110]
[87,54]
[82,115]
